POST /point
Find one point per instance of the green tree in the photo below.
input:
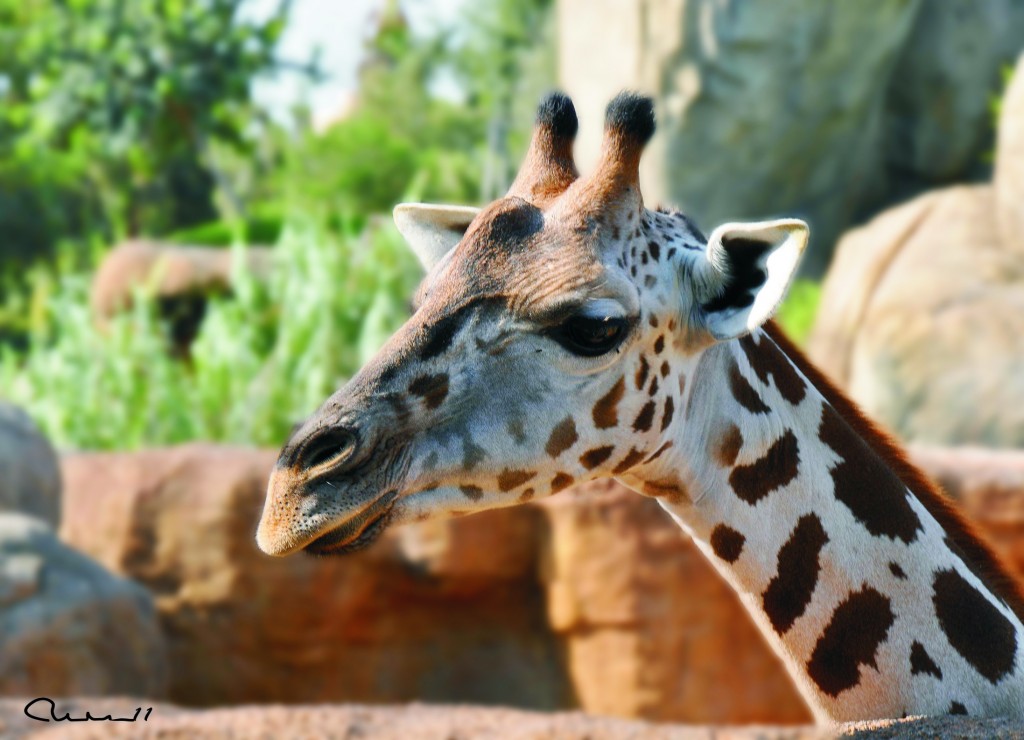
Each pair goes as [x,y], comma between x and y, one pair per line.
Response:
[137,92]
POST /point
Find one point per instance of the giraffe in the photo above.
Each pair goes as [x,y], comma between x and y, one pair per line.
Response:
[565,333]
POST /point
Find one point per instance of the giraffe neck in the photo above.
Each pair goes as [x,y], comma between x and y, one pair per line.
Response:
[870,602]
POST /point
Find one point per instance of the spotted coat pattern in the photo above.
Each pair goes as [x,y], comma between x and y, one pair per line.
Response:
[877,608]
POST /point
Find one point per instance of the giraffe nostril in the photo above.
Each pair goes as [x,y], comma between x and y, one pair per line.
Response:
[330,445]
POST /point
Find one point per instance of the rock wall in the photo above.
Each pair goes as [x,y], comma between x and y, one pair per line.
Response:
[29,470]
[798,107]
[647,623]
[922,311]
[449,611]
[67,626]
[593,600]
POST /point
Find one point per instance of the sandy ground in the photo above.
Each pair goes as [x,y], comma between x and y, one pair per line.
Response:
[435,722]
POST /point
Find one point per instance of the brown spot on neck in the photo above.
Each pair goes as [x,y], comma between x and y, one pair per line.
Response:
[473,493]
[792,587]
[641,372]
[921,661]
[670,409]
[728,446]
[633,457]
[645,418]
[743,391]
[778,467]
[865,485]
[977,630]
[727,543]
[560,482]
[858,626]
[767,361]
[975,551]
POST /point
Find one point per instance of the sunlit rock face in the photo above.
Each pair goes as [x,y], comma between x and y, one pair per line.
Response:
[922,311]
[820,111]
[593,599]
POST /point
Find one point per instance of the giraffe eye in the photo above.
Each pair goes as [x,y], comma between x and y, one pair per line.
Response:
[590,337]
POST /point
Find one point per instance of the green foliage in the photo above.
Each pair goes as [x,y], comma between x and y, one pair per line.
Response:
[264,358]
[44,199]
[137,90]
[797,312]
[259,227]
[504,61]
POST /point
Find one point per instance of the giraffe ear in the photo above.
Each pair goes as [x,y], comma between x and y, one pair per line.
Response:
[747,271]
[432,230]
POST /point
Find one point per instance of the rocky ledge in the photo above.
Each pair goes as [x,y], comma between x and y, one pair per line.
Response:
[430,722]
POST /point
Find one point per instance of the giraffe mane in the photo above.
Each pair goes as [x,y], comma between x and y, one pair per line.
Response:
[963,535]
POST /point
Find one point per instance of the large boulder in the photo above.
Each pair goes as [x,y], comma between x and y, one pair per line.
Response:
[922,320]
[989,487]
[1009,175]
[67,626]
[938,106]
[442,611]
[803,108]
[650,629]
[596,600]
[29,470]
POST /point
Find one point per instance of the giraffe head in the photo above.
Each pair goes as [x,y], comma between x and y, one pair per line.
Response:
[551,343]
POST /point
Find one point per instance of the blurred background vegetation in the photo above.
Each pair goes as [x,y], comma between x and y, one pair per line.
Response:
[122,119]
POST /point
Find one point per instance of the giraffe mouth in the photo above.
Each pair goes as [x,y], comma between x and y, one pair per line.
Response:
[357,533]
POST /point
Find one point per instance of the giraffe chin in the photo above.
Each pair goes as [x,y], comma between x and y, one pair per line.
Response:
[358,533]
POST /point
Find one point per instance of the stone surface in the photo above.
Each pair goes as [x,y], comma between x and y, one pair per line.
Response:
[591,599]
[1009,175]
[650,629]
[67,626]
[802,108]
[418,722]
[595,600]
[181,278]
[922,321]
[938,118]
[989,486]
[29,470]
[448,611]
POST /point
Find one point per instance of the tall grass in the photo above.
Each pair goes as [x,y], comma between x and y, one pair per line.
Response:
[265,357]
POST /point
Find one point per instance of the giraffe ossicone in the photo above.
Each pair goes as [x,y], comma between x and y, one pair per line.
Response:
[565,333]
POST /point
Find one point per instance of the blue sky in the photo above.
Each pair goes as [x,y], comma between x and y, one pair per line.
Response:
[338,27]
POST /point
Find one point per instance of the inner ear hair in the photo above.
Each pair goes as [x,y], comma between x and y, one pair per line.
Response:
[745,274]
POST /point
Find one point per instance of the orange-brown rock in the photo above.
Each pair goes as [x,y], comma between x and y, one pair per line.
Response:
[593,600]
[989,486]
[650,629]
[67,626]
[447,611]
[922,321]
